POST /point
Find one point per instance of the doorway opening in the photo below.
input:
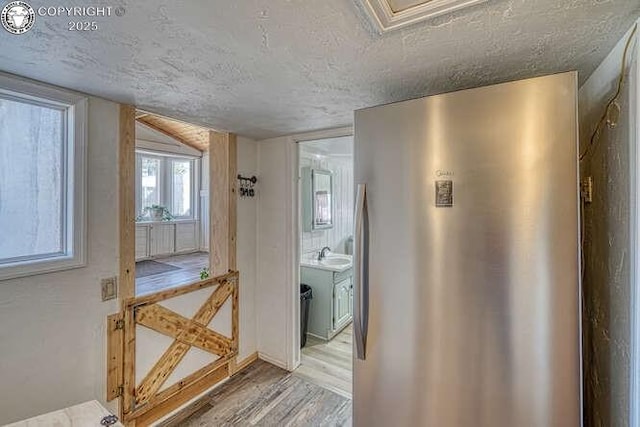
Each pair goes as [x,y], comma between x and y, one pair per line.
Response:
[326,208]
[172,204]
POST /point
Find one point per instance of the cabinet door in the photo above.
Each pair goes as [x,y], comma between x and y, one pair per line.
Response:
[162,239]
[142,242]
[341,303]
[186,237]
[351,298]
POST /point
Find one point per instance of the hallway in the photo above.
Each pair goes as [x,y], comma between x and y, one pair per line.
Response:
[329,364]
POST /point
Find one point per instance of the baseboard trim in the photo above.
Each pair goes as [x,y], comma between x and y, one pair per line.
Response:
[236,367]
[273,361]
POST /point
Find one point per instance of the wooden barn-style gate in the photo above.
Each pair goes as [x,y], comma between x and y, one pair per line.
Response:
[209,326]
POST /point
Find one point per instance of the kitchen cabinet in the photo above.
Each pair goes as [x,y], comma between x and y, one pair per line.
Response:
[186,237]
[165,238]
[142,242]
[162,239]
[331,308]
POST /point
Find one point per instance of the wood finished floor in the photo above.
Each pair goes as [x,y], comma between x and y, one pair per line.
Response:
[329,364]
[265,395]
[190,266]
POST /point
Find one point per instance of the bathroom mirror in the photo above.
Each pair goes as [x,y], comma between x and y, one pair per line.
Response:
[317,193]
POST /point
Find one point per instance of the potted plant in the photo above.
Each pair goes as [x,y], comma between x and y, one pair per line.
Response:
[156,213]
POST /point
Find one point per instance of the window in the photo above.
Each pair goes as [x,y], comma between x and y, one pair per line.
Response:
[165,181]
[42,137]
[181,188]
[150,181]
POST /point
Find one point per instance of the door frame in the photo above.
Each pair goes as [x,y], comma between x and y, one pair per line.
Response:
[223,262]
[293,327]
[222,202]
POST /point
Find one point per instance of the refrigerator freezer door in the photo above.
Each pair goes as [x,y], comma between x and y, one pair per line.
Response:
[473,259]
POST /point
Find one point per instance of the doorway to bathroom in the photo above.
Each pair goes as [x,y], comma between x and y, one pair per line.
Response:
[326,208]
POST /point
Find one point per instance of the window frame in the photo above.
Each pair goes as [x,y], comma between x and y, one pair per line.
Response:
[193,190]
[161,178]
[165,178]
[75,107]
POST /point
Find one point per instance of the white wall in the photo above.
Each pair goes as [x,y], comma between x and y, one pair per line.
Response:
[276,250]
[247,249]
[609,252]
[277,290]
[53,326]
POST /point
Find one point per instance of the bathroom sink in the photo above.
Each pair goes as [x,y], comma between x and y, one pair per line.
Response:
[332,262]
[336,261]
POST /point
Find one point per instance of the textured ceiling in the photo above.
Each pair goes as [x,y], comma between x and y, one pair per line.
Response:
[263,68]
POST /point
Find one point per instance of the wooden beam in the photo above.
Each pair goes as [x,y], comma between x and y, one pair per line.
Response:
[235,318]
[176,352]
[169,134]
[219,203]
[211,307]
[233,200]
[180,398]
[175,388]
[115,354]
[127,208]
[164,367]
[187,331]
[129,362]
[184,414]
[235,366]
[126,245]
[182,290]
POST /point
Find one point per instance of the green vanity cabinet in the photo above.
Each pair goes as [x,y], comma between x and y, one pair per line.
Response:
[331,308]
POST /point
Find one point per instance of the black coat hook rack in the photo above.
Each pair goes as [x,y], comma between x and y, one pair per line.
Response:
[253,179]
[246,186]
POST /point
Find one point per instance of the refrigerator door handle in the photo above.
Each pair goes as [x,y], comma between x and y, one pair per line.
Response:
[361,273]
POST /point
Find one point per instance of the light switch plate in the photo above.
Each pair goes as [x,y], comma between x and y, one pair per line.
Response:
[586,189]
[109,288]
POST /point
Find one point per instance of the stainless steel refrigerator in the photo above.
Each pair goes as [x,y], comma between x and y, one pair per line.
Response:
[467,289]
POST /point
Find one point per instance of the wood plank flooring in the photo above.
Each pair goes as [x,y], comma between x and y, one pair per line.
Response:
[265,395]
[329,364]
[190,266]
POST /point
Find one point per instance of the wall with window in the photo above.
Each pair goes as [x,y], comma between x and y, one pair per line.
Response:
[168,181]
[52,326]
[32,170]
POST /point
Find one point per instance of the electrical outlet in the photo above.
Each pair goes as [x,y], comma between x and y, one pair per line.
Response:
[586,189]
[109,288]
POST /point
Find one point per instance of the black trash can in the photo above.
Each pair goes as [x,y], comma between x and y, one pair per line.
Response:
[305,299]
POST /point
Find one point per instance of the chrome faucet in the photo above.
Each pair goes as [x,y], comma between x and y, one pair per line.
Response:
[323,253]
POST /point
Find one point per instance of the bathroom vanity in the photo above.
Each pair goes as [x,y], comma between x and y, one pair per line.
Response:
[331,308]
